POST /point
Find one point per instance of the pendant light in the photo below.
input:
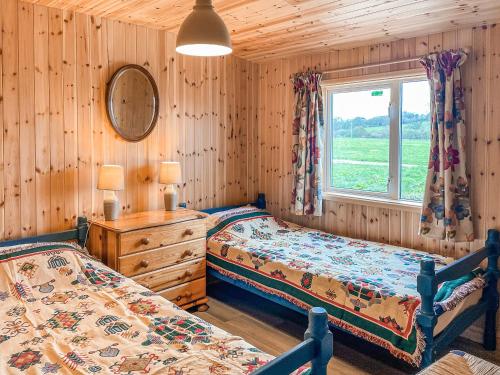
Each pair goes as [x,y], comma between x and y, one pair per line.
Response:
[203,32]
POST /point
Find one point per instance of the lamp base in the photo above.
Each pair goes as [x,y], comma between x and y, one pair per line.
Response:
[170,199]
[111,210]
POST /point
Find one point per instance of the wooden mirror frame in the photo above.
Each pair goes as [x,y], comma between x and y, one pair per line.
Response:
[109,101]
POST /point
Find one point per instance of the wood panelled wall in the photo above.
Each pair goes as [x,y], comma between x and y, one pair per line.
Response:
[54,67]
[227,120]
[481,79]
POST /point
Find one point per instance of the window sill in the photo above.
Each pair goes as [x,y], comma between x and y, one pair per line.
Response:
[373,201]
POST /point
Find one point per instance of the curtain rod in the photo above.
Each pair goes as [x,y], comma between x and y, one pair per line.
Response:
[382,63]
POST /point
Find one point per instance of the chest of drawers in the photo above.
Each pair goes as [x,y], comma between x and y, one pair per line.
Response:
[161,250]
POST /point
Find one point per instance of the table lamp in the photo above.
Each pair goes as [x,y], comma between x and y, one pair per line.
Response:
[111,179]
[170,174]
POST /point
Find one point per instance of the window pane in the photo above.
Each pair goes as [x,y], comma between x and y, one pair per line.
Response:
[360,144]
[415,138]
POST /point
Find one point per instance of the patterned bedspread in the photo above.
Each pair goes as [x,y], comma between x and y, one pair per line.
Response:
[368,288]
[64,313]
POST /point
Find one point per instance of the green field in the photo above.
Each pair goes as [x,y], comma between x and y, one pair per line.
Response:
[362,164]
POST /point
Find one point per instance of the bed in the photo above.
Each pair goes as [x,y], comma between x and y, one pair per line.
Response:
[64,312]
[409,302]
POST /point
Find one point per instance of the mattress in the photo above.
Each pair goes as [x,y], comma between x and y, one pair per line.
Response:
[367,288]
[64,312]
[447,317]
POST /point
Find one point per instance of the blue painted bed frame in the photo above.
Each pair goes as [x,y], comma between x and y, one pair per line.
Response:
[79,234]
[427,283]
[316,348]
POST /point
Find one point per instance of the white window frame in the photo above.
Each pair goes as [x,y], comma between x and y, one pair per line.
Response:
[393,81]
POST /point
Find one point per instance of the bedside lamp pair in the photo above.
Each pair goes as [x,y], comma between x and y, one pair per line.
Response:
[111,178]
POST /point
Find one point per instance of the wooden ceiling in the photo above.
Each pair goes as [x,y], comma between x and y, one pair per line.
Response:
[264,29]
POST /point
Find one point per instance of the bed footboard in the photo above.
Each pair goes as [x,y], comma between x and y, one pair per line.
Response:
[316,348]
[427,284]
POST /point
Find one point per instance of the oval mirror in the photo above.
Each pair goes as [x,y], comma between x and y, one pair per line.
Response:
[132,102]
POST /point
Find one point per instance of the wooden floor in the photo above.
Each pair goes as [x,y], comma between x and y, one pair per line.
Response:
[274,330]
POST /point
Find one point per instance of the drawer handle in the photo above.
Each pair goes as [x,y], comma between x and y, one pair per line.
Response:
[144,263]
[188,273]
[187,253]
[146,285]
[187,295]
[145,241]
[188,232]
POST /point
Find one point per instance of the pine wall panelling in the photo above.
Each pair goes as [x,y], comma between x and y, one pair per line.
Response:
[54,66]
[481,79]
[226,120]
[264,29]
[274,138]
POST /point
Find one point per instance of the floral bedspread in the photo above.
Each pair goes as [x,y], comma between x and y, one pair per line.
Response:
[368,288]
[64,313]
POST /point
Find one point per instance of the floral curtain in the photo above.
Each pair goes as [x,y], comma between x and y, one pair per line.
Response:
[446,212]
[307,144]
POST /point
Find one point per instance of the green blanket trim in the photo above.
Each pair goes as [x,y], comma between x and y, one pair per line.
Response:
[34,250]
[448,287]
[234,218]
[407,345]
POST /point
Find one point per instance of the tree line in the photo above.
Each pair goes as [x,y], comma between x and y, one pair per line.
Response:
[413,126]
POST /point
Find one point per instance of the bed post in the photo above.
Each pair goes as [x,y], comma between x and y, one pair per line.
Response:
[261,201]
[493,274]
[426,318]
[316,348]
[318,330]
[82,227]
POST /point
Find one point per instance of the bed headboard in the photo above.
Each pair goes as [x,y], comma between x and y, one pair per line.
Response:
[79,234]
[259,203]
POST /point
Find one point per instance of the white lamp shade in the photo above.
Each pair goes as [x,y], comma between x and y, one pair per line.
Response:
[170,172]
[203,32]
[111,177]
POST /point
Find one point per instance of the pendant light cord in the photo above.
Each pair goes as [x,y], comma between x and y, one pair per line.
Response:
[203,3]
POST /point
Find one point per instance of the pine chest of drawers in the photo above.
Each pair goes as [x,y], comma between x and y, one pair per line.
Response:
[161,250]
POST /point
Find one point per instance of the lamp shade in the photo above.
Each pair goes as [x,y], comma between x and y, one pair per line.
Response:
[203,32]
[111,177]
[170,172]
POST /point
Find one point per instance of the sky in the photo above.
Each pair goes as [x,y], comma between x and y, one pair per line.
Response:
[347,105]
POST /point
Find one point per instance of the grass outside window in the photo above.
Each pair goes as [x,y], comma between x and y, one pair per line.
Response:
[378,139]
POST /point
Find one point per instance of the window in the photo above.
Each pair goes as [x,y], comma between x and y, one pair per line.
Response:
[378,138]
